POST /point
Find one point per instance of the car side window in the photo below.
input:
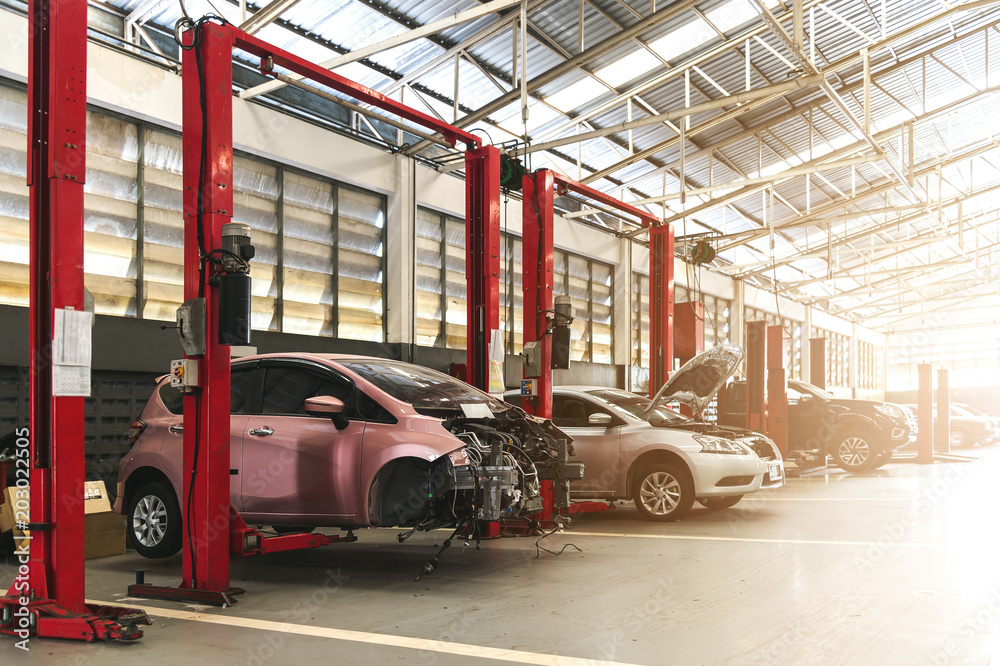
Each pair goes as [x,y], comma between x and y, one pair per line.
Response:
[286,389]
[570,412]
[736,397]
[173,399]
[239,388]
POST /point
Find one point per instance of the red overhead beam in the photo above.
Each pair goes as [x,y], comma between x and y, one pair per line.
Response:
[272,56]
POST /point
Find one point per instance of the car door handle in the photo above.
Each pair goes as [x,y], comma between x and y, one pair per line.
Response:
[177,428]
[262,432]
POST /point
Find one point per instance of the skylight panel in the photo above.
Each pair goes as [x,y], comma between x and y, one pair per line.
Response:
[732,14]
[630,67]
[683,39]
[577,94]
[538,115]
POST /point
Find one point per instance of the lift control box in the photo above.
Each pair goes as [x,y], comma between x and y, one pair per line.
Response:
[184,374]
[529,387]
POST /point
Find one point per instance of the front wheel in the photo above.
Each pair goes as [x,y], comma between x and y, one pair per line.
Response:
[663,492]
[719,503]
[154,521]
[855,451]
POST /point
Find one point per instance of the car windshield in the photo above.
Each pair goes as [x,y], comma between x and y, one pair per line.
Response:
[421,387]
[636,405]
[809,389]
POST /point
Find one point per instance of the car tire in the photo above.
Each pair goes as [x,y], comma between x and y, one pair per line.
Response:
[153,521]
[855,451]
[663,492]
[719,503]
[959,438]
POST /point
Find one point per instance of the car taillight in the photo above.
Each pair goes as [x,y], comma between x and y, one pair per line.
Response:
[134,431]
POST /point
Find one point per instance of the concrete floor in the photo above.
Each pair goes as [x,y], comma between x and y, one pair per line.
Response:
[900,566]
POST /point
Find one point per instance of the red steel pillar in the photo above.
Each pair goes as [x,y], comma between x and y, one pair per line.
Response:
[689,330]
[925,414]
[46,598]
[661,306]
[777,389]
[208,204]
[482,258]
[57,131]
[537,281]
[942,430]
[756,378]
[817,362]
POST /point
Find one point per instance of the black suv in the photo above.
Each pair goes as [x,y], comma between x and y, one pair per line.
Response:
[860,434]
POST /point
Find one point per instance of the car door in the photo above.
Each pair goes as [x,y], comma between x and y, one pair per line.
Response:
[295,464]
[172,447]
[598,446]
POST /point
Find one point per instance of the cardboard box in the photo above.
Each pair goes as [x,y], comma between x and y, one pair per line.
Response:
[104,530]
[7,517]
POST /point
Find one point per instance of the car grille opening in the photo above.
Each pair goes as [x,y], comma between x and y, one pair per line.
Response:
[734,481]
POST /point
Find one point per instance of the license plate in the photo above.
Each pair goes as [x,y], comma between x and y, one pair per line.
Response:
[774,470]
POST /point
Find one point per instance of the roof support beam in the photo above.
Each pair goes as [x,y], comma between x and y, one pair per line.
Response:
[392,42]
[267,15]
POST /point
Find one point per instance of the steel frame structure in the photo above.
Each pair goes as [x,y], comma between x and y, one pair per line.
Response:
[208,205]
[47,597]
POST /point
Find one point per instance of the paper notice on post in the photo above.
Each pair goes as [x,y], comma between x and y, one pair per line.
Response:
[71,352]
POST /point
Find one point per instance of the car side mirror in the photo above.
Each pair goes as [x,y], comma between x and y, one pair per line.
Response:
[329,407]
[600,419]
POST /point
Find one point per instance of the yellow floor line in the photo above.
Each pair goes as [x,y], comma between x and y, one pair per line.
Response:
[693,537]
[387,640]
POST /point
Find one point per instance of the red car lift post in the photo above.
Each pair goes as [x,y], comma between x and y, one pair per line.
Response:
[689,335]
[777,389]
[925,414]
[942,433]
[661,306]
[47,597]
[482,259]
[538,193]
[756,378]
[817,362]
[215,529]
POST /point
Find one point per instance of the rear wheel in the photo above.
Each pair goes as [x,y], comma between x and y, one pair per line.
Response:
[718,503]
[154,521]
[959,437]
[854,451]
[662,492]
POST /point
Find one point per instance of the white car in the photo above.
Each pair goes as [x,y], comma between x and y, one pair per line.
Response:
[638,449]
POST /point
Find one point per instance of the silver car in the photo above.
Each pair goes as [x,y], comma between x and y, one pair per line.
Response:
[634,448]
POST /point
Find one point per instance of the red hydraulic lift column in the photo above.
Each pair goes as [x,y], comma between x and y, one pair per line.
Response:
[208,204]
[925,414]
[942,426]
[777,389]
[817,362]
[482,259]
[46,598]
[661,306]
[756,378]
[537,263]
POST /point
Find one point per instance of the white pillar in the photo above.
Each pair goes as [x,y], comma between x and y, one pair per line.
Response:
[400,225]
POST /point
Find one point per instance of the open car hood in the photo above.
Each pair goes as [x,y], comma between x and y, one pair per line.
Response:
[698,380]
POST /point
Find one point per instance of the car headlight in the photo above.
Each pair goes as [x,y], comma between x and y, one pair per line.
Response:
[892,411]
[718,445]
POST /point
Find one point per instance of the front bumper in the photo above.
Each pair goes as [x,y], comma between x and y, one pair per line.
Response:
[720,475]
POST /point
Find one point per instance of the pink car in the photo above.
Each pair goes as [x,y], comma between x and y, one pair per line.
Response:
[343,441]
